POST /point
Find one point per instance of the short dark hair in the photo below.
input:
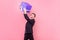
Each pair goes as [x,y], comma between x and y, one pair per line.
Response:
[34,14]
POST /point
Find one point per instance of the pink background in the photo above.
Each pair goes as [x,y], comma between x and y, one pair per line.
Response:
[12,22]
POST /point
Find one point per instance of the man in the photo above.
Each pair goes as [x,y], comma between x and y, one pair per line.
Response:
[29,26]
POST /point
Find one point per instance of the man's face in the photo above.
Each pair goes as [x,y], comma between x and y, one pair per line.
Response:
[32,16]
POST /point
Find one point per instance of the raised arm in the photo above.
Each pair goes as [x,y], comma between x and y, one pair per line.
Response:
[25,15]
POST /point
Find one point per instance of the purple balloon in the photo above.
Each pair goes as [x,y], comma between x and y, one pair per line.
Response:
[25,5]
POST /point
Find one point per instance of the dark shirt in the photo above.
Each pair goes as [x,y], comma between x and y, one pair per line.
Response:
[29,24]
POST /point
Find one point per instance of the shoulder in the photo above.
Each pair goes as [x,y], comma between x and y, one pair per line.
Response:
[33,20]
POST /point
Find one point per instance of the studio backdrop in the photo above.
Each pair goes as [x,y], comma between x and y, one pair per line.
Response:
[12,21]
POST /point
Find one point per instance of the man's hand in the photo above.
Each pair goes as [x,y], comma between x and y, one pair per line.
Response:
[25,11]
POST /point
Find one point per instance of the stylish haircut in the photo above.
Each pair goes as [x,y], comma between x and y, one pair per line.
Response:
[34,14]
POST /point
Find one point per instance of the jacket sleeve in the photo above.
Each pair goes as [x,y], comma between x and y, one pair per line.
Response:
[26,17]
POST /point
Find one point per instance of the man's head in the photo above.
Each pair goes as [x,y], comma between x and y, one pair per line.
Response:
[32,16]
